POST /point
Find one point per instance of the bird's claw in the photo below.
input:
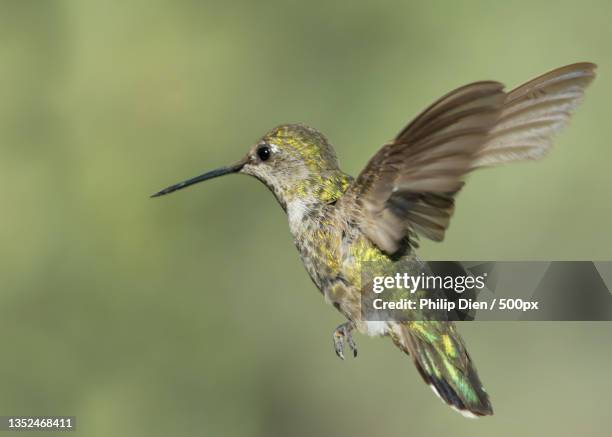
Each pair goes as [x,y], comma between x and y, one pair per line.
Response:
[341,334]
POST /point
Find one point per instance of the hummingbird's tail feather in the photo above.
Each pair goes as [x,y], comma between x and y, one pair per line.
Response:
[442,360]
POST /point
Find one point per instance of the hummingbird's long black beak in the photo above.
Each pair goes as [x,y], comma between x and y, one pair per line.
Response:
[203,177]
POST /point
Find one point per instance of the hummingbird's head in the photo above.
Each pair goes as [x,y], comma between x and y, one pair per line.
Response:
[292,160]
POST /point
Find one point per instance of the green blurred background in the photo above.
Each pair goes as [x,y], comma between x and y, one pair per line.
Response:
[192,315]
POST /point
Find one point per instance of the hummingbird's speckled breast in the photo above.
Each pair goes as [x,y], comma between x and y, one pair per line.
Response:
[332,249]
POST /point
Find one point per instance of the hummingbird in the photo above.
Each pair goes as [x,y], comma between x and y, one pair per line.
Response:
[406,191]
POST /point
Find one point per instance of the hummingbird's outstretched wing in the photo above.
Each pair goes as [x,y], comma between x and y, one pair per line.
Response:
[409,184]
[533,113]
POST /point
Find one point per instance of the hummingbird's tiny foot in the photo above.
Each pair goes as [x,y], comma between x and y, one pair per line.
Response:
[352,344]
[342,333]
[338,338]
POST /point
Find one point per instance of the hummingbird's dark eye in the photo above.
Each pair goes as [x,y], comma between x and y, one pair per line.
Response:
[263,152]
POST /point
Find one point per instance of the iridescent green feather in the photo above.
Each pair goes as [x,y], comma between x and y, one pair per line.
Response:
[442,360]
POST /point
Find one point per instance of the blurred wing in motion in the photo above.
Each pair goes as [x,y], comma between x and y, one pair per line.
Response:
[409,185]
